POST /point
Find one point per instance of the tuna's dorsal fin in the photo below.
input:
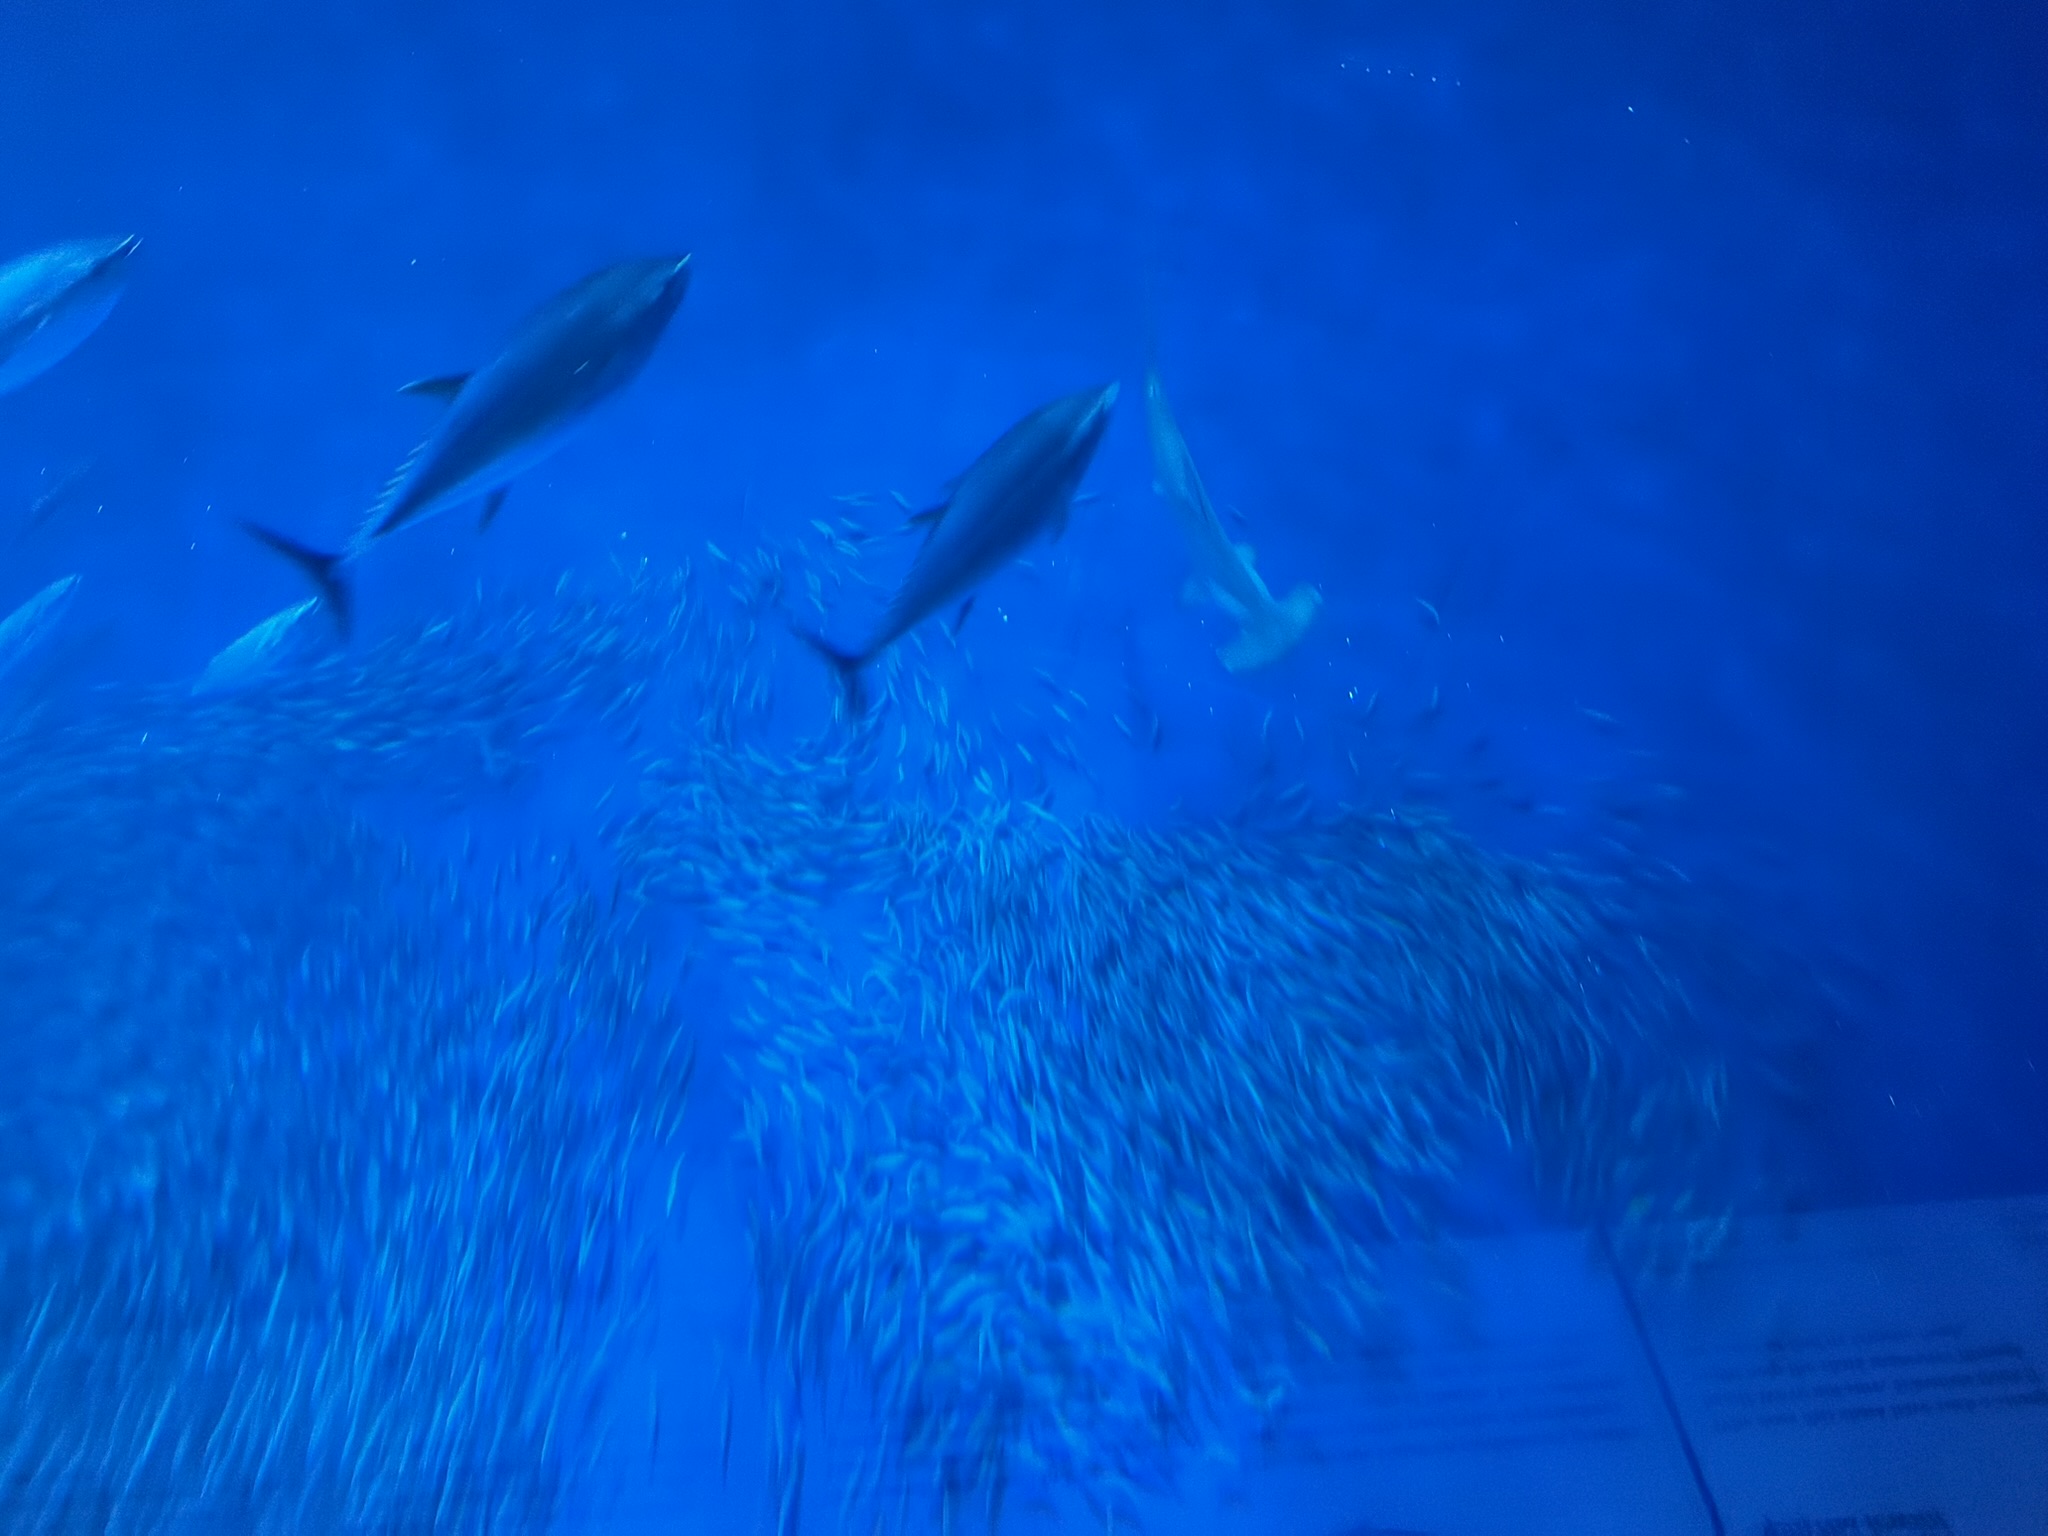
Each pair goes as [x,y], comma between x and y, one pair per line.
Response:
[443,388]
[960,618]
[492,507]
[1247,554]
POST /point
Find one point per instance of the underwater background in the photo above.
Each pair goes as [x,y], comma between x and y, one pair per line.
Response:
[544,1062]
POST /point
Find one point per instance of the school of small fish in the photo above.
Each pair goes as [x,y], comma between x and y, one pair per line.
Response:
[324,1164]
[1072,1134]
[317,1157]
[1068,1135]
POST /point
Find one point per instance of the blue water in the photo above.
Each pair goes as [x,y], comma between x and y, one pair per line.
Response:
[1655,396]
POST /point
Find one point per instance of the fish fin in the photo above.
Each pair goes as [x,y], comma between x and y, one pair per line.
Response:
[385,510]
[491,507]
[443,388]
[1194,592]
[845,663]
[1248,555]
[928,519]
[323,568]
[960,618]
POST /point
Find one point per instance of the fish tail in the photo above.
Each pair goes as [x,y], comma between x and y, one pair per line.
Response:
[846,663]
[323,568]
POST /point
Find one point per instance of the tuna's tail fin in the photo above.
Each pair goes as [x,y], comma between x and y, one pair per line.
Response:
[846,664]
[1271,634]
[323,568]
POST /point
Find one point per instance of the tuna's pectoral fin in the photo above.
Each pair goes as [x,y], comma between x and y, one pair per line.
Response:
[960,618]
[323,568]
[443,388]
[491,507]
[928,519]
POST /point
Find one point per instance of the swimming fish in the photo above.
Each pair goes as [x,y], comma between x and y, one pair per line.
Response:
[257,653]
[52,300]
[1224,573]
[23,631]
[52,499]
[576,351]
[1023,483]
